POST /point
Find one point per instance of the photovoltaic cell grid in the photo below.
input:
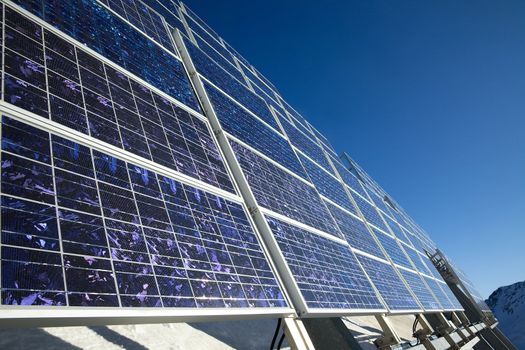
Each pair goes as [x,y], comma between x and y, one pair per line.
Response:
[393,249]
[440,295]
[326,272]
[219,59]
[242,125]
[348,178]
[204,32]
[306,145]
[326,184]
[205,35]
[425,297]
[107,88]
[283,193]
[355,231]
[370,211]
[221,78]
[144,18]
[201,23]
[166,9]
[101,30]
[82,228]
[417,260]
[395,294]
[85,94]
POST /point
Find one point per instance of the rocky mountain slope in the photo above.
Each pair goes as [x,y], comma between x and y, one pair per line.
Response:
[508,305]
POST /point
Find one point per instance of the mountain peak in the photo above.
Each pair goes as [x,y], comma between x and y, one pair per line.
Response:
[508,305]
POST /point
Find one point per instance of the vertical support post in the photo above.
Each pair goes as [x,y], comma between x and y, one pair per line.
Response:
[389,337]
[425,332]
[296,334]
[459,328]
[466,323]
[445,330]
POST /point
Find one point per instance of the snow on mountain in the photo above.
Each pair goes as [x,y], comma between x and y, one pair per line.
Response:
[508,305]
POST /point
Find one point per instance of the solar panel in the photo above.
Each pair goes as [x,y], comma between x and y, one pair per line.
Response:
[355,231]
[115,40]
[280,191]
[144,18]
[226,82]
[392,289]
[393,249]
[422,292]
[439,294]
[306,145]
[90,96]
[117,193]
[327,273]
[89,229]
[326,184]
[246,128]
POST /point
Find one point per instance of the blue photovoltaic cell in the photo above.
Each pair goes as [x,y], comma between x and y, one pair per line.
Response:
[389,285]
[348,178]
[456,305]
[416,242]
[370,212]
[378,201]
[399,218]
[393,249]
[268,99]
[418,262]
[205,35]
[128,237]
[91,97]
[421,291]
[307,146]
[327,185]
[237,90]
[82,228]
[298,120]
[263,78]
[396,229]
[355,231]
[438,292]
[102,31]
[432,268]
[326,272]
[169,12]
[239,123]
[324,141]
[257,82]
[144,18]
[219,59]
[283,193]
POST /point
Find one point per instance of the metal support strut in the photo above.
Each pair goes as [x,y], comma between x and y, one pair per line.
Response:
[296,334]
[389,337]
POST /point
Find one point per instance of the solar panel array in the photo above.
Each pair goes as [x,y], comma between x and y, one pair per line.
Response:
[127,182]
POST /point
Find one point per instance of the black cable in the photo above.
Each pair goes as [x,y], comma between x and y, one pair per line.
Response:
[280,342]
[276,333]
[414,325]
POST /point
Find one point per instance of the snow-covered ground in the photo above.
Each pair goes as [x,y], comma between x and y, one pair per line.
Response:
[508,305]
[209,336]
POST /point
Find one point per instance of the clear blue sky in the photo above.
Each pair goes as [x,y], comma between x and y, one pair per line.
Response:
[428,96]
